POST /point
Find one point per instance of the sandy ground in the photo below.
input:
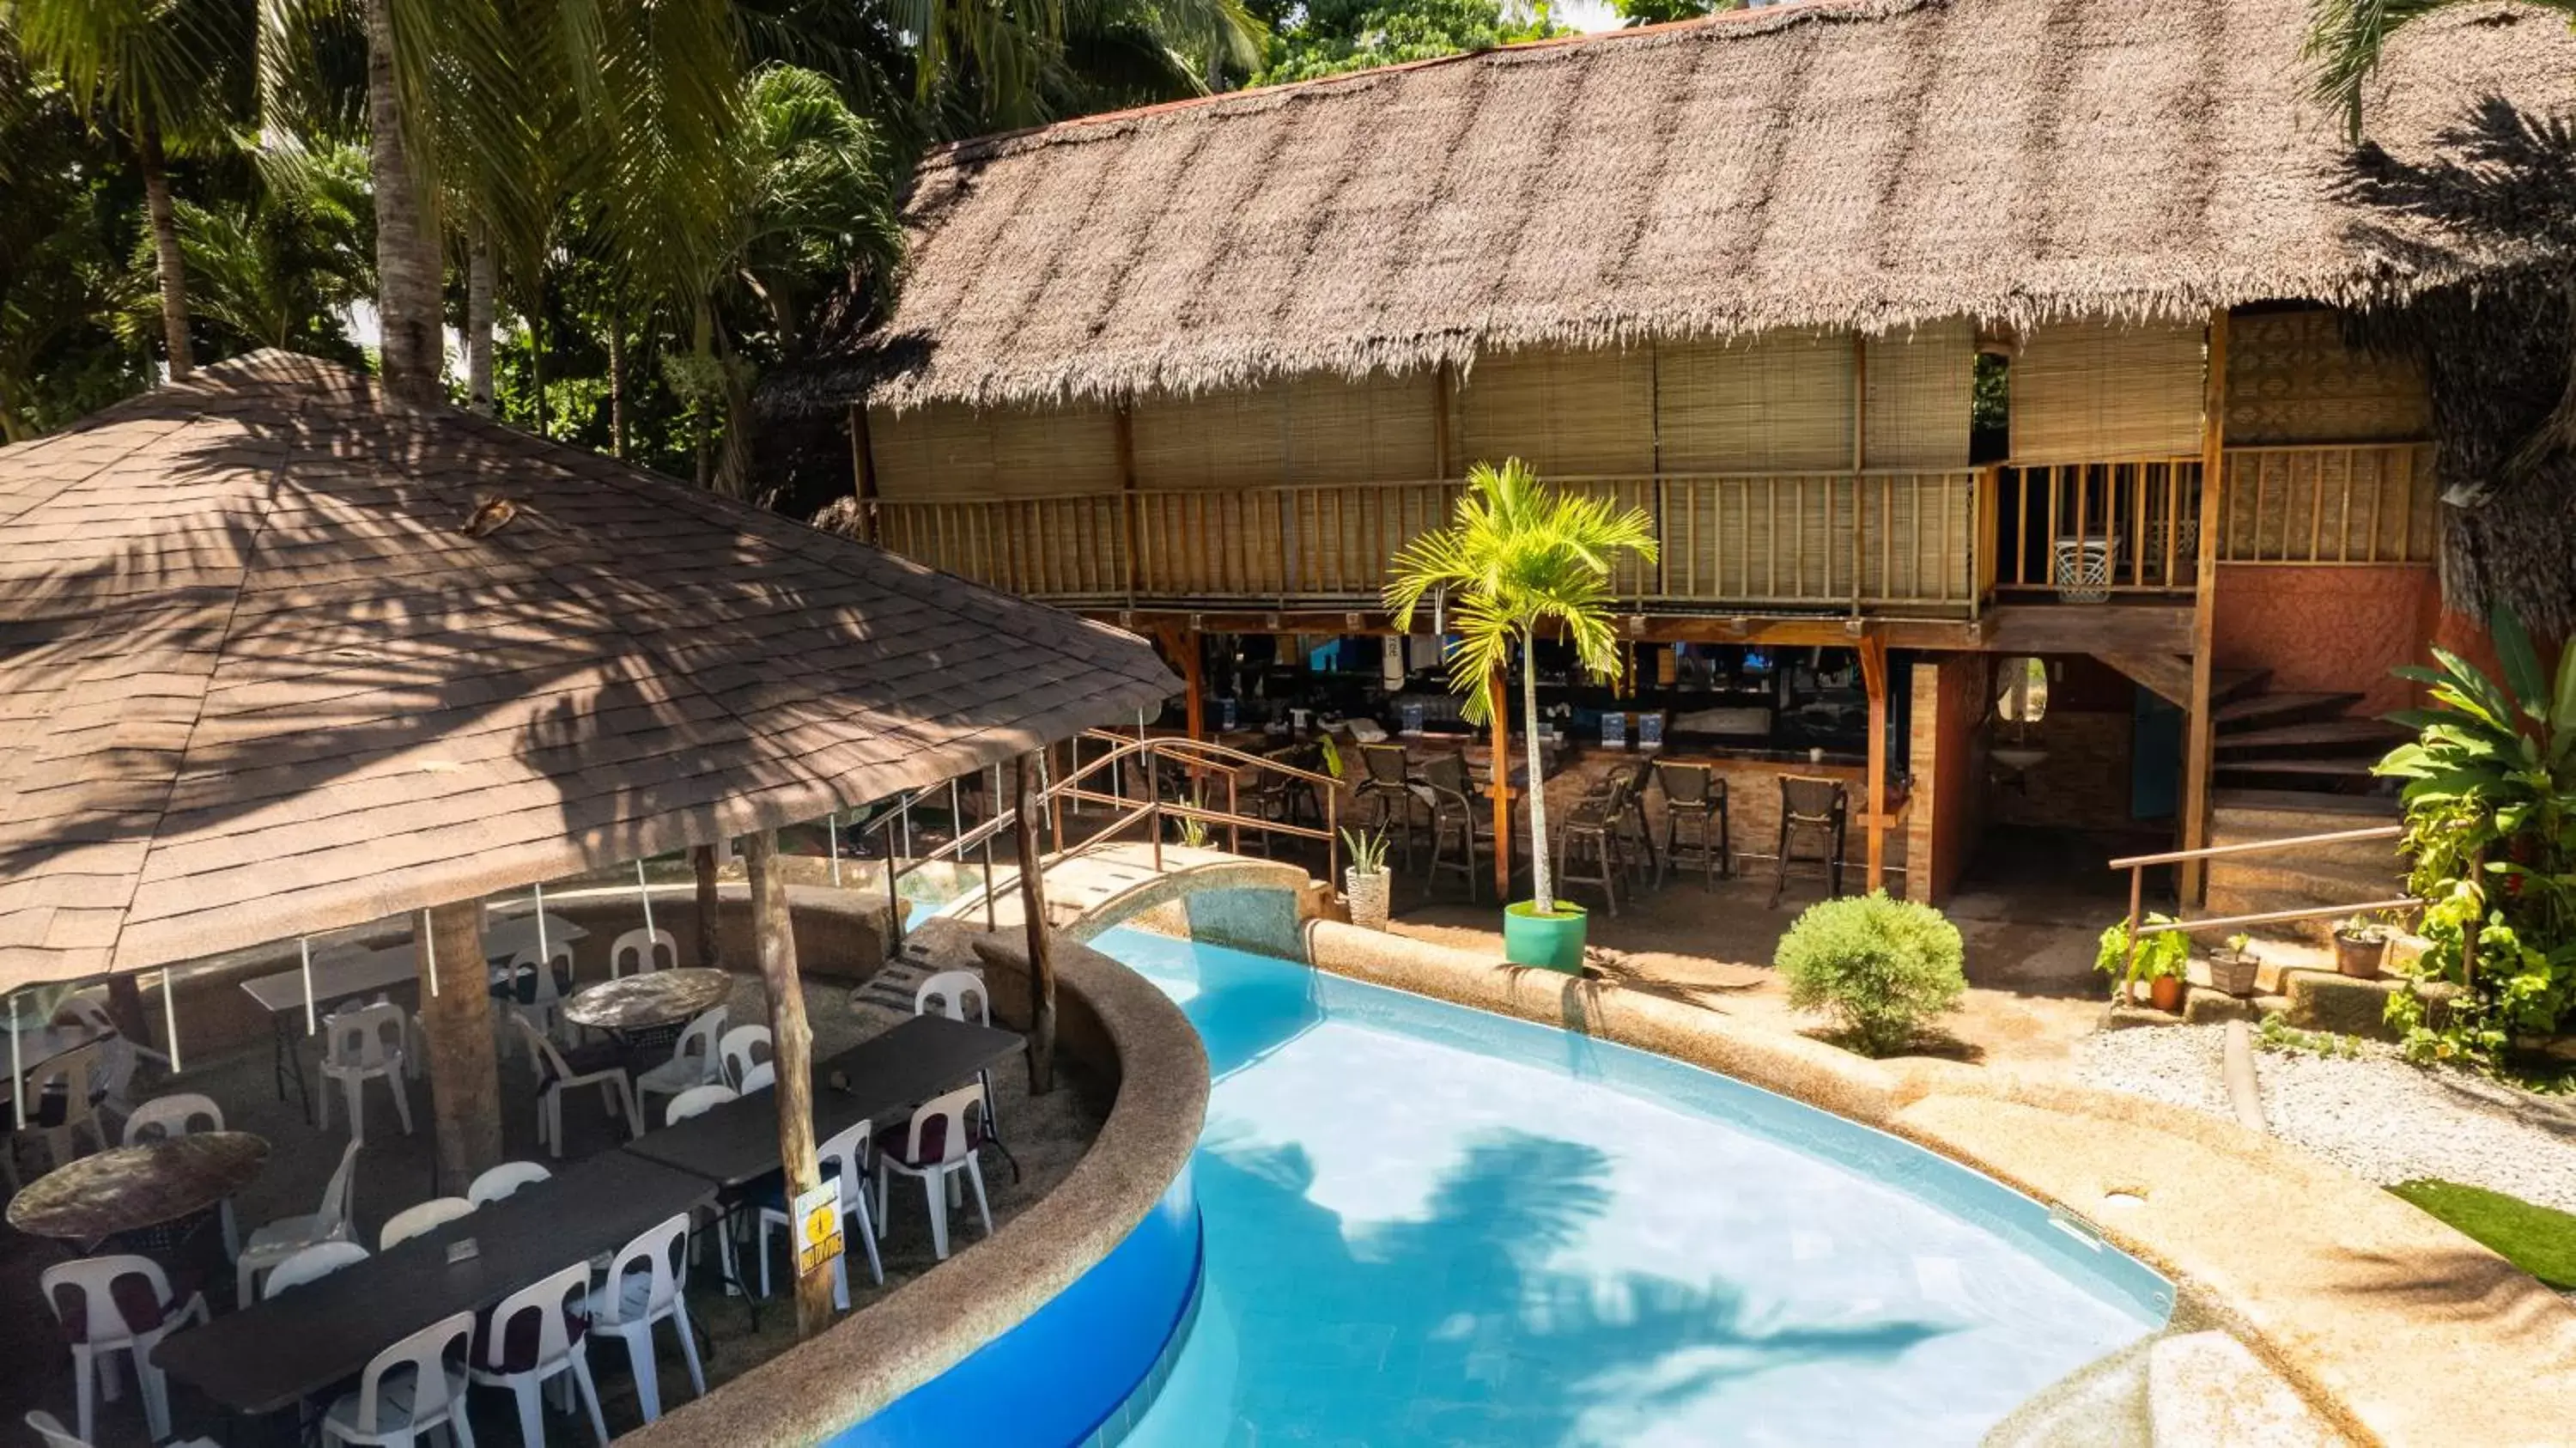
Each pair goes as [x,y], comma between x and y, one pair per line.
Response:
[2031,988]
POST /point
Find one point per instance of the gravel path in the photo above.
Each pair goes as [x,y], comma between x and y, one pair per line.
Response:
[2375,1116]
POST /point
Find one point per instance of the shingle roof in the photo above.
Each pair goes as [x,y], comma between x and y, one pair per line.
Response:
[256,681]
[1838,163]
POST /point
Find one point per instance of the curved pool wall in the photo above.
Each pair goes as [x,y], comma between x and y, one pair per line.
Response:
[1430,1224]
[1085,1363]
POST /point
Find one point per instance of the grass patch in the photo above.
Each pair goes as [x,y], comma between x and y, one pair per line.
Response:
[2539,1240]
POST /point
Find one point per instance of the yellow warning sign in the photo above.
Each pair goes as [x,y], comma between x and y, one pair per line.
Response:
[818,1227]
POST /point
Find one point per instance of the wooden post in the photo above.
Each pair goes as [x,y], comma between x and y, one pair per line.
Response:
[1443,383]
[1194,679]
[702,858]
[1873,677]
[791,1045]
[1033,912]
[863,471]
[1124,424]
[2204,616]
[456,1020]
[1499,708]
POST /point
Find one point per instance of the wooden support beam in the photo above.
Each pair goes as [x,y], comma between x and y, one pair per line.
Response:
[1194,679]
[702,860]
[1873,677]
[456,1021]
[791,1044]
[2197,724]
[1499,706]
[1123,425]
[1444,384]
[1033,914]
[863,470]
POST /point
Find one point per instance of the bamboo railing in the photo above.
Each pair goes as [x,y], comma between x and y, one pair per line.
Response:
[2357,504]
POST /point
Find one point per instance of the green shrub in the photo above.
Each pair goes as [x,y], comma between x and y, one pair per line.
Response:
[1878,966]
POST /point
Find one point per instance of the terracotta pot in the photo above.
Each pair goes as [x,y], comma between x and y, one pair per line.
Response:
[2165,992]
[2359,956]
[1368,897]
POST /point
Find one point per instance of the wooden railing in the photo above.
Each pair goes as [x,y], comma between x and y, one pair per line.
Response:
[1069,549]
[2363,503]
[2088,531]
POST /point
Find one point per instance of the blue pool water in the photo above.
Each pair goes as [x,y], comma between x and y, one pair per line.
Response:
[1429,1226]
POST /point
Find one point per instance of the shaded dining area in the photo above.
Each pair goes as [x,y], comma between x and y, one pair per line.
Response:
[426,1005]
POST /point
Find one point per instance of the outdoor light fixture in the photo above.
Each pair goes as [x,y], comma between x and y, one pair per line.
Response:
[1126,618]
[1852,626]
[1351,621]
[1636,624]
[1273,624]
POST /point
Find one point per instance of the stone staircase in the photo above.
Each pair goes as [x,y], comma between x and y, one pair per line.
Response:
[2340,874]
[2307,743]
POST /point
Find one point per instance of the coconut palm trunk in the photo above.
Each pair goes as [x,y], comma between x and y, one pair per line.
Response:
[480,318]
[1542,880]
[407,259]
[165,252]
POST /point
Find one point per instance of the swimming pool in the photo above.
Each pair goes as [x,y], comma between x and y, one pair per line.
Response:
[1428,1225]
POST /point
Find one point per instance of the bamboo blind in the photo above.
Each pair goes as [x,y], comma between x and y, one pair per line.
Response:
[1778,402]
[2292,378]
[1314,428]
[1564,413]
[946,450]
[1919,383]
[2085,391]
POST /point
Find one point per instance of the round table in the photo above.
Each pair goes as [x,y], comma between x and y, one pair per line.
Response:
[655,998]
[135,1188]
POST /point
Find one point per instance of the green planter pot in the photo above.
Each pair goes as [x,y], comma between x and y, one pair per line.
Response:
[1549,942]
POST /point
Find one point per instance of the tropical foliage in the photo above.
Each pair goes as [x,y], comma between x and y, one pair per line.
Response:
[1520,557]
[1328,37]
[1880,967]
[2490,820]
[2159,955]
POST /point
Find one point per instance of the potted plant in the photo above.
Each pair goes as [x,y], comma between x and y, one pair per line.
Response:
[1365,881]
[2232,966]
[2160,960]
[2359,943]
[1518,556]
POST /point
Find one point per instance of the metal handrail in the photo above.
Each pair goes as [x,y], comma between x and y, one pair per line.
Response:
[1151,812]
[2137,865]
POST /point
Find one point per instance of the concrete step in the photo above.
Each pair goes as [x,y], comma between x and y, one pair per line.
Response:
[2314,811]
[2354,771]
[2313,737]
[2258,710]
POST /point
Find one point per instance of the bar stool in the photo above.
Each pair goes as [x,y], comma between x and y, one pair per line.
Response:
[1453,821]
[1592,836]
[1811,808]
[1387,783]
[1284,798]
[1695,797]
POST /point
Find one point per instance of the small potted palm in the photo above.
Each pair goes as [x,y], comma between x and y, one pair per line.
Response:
[2233,966]
[1365,881]
[2360,941]
[1519,556]
[2160,960]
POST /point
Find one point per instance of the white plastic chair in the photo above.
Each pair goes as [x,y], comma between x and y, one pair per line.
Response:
[696,1100]
[742,1048]
[533,1336]
[639,951]
[504,1179]
[421,1217]
[543,1008]
[310,1265]
[118,1056]
[844,1156]
[359,1046]
[98,1323]
[947,993]
[176,1116]
[760,1077]
[938,1143]
[641,1289]
[693,1060]
[555,1077]
[425,1392]
[65,1080]
[286,1236]
[49,1431]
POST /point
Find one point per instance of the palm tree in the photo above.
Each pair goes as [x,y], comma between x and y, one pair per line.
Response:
[154,69]
[2345,38]
[1520,555]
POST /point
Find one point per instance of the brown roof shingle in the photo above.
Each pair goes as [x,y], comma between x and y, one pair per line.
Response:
[1837,163]
[255,680]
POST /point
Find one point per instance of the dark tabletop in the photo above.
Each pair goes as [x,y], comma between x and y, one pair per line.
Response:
[872,1081]
[270,1355]
[654,998]
[132,1187]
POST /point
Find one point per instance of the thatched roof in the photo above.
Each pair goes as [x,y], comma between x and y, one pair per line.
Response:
[258,680]
[1866,164]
